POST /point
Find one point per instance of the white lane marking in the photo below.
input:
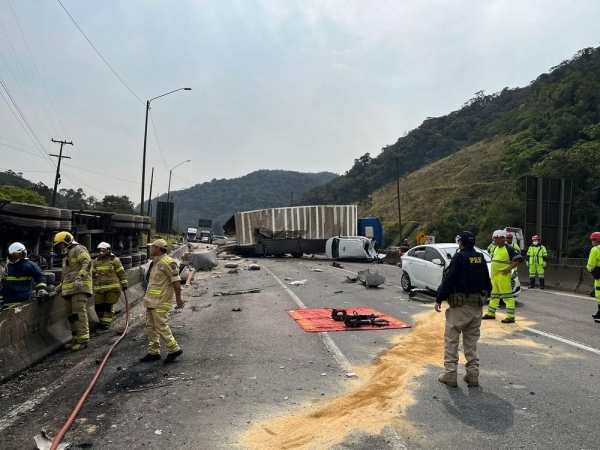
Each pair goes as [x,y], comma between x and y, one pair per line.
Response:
[565,340]
[563,294]
[331,346]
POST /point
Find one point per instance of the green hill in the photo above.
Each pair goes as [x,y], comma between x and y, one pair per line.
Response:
[219,199]
[549,128]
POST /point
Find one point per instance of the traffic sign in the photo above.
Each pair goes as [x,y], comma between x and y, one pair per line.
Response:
[421,237]
[430,240]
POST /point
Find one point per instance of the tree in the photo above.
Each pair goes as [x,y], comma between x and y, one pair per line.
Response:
[21,195]
[117,203]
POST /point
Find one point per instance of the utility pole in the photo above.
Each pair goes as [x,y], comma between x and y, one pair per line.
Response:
[398,195]
[60,157]
[150,196]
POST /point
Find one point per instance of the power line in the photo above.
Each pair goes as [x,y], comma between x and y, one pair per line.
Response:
[27,171]
[105,62]
[23,151]
[102,174]
[17,142]
[158,143]
[39,75]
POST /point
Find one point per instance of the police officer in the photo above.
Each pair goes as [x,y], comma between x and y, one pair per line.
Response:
[20,275]
[109,279]
[465,286]
[75,287]
[163,283]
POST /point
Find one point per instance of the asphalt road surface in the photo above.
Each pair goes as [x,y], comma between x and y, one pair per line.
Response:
[254,379]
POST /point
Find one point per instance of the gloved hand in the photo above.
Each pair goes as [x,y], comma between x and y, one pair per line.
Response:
[527,263]
[43,293]
[78,285]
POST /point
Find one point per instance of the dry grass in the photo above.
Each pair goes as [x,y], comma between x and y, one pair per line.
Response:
[472,173]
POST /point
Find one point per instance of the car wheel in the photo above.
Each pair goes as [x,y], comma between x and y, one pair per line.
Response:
[405,282]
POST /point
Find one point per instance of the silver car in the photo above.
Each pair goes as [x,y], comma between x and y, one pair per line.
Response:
[423,267]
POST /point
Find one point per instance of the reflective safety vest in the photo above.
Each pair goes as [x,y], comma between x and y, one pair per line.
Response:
[515,246]
[16,286]
[500,260]
[594,258]
[77,263]
[163,273]
[537,254]
[108,274]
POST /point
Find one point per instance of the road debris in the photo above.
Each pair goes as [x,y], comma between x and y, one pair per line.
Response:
[158,432]
[242,291]
[350,279]
[236,309]
[44,442]
[254,267]
[370,279]
[298,283]
[233,271]
[337,265]
[231,265]
[316,270]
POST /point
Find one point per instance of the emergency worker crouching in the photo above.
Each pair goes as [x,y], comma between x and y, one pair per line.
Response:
[465,286]
[504,259]
[593,266]
[20,274]
[163,283]
[109,278]
[75,287]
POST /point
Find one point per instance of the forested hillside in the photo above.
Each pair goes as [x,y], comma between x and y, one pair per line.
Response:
[551,128]
[219,199]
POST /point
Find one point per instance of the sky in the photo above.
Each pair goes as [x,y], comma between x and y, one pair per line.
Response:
[305,85]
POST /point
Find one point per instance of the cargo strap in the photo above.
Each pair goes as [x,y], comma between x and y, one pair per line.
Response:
[356,320]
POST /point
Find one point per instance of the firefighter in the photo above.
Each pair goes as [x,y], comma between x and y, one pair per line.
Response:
[536,261]
[504,260]
[109,278]
[20,274]
[466,285]
[75,287]
[509,241]
[163,283]
[593,266]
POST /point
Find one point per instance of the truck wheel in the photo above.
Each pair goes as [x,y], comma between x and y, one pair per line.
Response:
[405,282]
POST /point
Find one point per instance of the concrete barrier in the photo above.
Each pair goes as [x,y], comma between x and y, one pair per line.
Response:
[561,277]
[37,329]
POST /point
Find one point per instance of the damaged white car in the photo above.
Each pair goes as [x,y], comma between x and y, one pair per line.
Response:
[351,247]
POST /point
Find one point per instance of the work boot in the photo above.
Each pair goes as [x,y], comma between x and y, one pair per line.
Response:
[448,379]
[79,346]
[103,327]
[488,317]
[171,356]
[149,358]
[507,320]
[532,283]
[542,284]
[70,344]
[596,316]
[471,380]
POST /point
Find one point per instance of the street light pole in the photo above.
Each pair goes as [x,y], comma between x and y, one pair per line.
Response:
[170,173]
[145,139]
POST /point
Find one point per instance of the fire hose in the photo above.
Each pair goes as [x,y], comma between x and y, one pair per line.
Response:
[83,398]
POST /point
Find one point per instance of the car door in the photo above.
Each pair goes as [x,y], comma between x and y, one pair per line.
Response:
[434,272]
[418,268]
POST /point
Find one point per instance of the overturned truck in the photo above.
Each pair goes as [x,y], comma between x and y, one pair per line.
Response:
[294,230]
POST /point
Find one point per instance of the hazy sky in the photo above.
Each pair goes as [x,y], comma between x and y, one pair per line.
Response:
[276,84]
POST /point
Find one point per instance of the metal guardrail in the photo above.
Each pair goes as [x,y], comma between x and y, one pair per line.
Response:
[578,262]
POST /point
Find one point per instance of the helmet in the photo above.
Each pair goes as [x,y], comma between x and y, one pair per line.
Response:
[535,238]
[509,235]
[466,237]
[16,252]
[63,238]
[103,248]
[595,236]
[499,233]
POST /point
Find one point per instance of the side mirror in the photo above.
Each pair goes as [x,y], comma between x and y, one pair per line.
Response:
[437,261]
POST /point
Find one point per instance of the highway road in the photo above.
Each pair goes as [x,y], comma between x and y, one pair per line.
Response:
[251,378]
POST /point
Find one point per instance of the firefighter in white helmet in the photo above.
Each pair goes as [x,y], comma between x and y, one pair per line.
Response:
[75,287]
[20,274]
[109,278]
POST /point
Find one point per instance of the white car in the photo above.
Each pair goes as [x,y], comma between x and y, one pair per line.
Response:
[351,247]
[423,267]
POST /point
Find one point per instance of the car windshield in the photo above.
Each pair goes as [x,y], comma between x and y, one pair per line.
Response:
[450,249]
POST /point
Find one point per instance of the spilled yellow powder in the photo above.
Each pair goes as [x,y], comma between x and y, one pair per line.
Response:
[379,398]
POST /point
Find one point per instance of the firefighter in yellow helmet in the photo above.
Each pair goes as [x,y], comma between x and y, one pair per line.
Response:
[504,260]
[163,283]
[109,279]
[593,266]
[75,287]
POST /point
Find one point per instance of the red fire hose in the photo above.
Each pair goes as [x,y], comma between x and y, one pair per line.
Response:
[83,398]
